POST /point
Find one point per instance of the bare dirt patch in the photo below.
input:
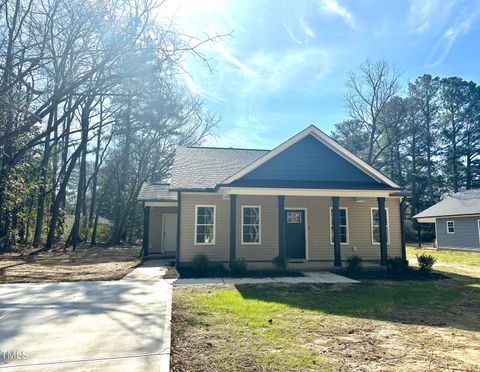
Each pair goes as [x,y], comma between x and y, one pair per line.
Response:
[85,263]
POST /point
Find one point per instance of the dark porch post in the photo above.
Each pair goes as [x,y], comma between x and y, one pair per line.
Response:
[336,231]
[402,228]
[382,216]
[179,215]
[281,226]
[146,229]
[233,227]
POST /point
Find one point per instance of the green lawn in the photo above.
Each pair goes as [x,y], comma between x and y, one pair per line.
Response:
[450,261]
[382,325]
[378,326]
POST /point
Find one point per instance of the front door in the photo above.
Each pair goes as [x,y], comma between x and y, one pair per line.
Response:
[169,241]
[295,234]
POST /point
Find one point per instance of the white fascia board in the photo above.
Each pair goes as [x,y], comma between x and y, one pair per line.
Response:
[326,140]
[306,192]
[160,204]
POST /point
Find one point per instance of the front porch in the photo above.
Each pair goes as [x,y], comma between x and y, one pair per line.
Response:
[314,229]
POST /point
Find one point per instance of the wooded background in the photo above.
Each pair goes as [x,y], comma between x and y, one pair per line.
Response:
[92,106]
[425,136]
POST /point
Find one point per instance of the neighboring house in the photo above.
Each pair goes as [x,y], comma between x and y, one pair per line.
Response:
[308,199]
[457,220]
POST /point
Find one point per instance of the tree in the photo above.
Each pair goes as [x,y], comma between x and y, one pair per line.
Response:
[368,92]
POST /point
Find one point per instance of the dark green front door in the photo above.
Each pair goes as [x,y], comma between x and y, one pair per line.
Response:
[295,234]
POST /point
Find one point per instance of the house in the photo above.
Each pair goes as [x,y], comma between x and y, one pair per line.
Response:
[456,219]
[309,199]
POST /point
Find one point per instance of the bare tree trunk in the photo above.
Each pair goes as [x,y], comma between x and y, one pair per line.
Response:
[74,237]
[43,186]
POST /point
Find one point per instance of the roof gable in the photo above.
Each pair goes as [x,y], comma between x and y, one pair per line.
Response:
[310,159]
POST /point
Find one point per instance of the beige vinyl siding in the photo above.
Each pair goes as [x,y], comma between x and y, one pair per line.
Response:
[269,228]
[318,216]
[359,227]
[155,231]
[216,252]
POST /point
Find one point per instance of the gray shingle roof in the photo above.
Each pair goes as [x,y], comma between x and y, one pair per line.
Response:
[156,192]
[463,202]
[202,168]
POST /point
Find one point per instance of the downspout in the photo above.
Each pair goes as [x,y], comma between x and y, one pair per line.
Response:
[402,227]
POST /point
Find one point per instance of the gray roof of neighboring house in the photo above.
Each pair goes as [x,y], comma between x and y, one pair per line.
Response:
[203,168]
[461,203]
[156,192]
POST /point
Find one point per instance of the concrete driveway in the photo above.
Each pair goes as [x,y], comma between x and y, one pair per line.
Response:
[96,326]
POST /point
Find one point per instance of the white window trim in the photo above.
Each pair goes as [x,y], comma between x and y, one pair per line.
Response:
[453,224]
[259,224]
[330,221]
[478,225]
[214,223]
[371,225]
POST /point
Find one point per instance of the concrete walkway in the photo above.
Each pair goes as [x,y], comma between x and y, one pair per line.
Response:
[88,326]
[310,277]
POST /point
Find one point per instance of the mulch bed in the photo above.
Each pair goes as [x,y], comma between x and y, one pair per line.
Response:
[221,272]
[411,274]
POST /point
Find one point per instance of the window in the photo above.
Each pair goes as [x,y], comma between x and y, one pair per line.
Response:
[376,226]
[205,224]
[343,226]
[251,225]
[450,227]
[294,217]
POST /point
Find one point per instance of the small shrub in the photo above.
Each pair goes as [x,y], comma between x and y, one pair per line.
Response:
[426,262]
[354,264]
[397,267]
[238,267]
[201,264]
[280,262]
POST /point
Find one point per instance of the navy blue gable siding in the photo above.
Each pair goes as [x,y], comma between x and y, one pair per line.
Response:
[308,163]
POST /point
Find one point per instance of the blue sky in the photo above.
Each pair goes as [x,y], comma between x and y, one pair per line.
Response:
[285,65]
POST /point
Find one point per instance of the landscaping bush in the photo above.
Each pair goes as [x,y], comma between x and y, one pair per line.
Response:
[354,264]
[397,267]
[426,262]
[238,267]
[201,264]
[280,262]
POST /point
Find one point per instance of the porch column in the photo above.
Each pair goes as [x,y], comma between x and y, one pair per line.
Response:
[146,229]
[179,218]
[402,228]
[281,226]
[382,216]
[336,231]
[233,227]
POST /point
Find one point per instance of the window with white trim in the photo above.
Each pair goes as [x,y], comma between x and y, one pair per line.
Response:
[375,221]
[450,227]
[205,224]
[251,224]
[343,225]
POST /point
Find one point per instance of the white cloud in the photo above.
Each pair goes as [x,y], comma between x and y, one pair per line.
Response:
[448,38]
[334,8]
[428,14]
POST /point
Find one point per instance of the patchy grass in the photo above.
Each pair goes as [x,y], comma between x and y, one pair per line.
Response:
[369,326]
[460,262]
[85,263]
